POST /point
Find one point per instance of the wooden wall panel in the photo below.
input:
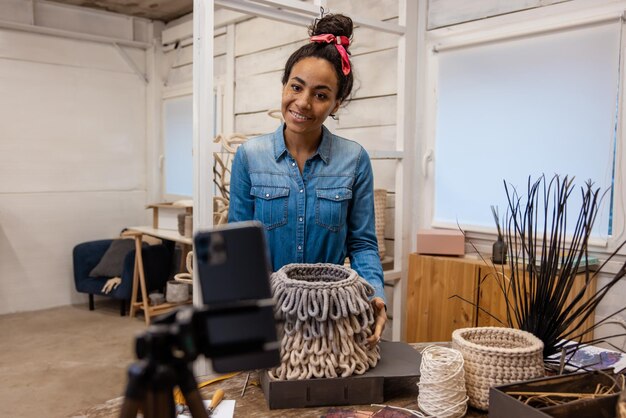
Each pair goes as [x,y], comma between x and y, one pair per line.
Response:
[384,174]
[380,138]
[177,65]
[370,40]
[374,9]
[258,93]
[179,76]
[18,11]
[219,45]
[376,74]
[450,12]
[265,61]
[255,123]
[377,111]
[248,35]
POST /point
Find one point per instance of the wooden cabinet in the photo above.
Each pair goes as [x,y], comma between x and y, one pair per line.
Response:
[436,289]
[447,293]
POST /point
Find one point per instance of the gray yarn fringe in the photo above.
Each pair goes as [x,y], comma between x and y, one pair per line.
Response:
[327,319]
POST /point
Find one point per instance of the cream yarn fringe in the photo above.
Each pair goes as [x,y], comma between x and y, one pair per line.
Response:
[327,320]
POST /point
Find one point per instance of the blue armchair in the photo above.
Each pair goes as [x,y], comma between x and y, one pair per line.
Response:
[158,267]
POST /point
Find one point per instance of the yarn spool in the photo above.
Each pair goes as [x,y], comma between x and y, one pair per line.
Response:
[442,383]
[327,318]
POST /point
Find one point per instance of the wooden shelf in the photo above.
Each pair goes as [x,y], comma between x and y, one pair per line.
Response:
[139,279]
[160,308]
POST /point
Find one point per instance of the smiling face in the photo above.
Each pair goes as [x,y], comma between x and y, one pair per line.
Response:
[309,97]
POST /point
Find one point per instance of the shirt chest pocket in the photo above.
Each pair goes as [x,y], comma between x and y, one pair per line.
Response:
[270,205]
[331,207]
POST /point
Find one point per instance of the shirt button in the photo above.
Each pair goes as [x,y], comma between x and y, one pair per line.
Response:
[301,190]
[293,164]
[337,196]
[300,219]
[267,195]
[299,247]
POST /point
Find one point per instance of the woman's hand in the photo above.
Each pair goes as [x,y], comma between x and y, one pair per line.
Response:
[380,318]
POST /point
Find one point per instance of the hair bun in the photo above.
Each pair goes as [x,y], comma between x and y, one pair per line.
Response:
[336,24]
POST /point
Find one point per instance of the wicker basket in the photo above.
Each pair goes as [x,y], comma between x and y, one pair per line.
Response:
[380,203]
[495,356]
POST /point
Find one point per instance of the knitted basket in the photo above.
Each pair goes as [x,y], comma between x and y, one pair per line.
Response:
[495,356]
[327,318]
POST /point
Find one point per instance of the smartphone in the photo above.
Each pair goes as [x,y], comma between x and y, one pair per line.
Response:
[234,271]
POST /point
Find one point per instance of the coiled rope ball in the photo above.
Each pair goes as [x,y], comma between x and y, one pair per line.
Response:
[327,318]
[442,383]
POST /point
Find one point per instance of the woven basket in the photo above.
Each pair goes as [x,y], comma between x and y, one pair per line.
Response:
[380,203]
[495,356]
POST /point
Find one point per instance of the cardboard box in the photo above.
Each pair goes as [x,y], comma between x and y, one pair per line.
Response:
[504,405]
[440,242]
[395,374]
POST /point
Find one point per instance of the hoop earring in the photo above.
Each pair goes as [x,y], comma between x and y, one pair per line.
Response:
[334,117]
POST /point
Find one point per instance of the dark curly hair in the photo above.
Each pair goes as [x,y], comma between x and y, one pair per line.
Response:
[338,25]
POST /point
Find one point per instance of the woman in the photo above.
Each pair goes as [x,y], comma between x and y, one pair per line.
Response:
[313,190]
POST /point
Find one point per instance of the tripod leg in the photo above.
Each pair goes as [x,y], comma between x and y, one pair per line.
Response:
[160,404]
[135,394]
[196,406]
[130,407]
[189,387]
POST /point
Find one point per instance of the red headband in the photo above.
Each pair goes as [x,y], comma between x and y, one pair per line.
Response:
[339,42]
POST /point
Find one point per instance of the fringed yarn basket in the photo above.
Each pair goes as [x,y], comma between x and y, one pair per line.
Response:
[495,356]
[327,318]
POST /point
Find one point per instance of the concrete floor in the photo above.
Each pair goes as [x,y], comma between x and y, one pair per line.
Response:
[56,362]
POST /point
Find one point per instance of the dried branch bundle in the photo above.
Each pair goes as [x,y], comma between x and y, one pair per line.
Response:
[544,262]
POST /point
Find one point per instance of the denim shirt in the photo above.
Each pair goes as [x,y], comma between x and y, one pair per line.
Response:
[320,216]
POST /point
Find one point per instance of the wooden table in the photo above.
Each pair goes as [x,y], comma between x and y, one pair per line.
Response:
[253,405]
[139,278]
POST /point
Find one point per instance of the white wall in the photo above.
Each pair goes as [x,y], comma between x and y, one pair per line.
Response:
[72,157]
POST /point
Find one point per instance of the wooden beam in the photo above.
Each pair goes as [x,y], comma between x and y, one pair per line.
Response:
[298,13]
[71,35]
[263,11]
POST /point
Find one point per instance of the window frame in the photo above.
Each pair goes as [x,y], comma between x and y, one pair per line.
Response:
[172,94]
[219,118]
[545,19]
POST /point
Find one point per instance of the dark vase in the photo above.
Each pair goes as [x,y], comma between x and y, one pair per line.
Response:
[498,253]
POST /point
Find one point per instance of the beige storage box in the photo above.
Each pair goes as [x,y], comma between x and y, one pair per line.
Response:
[440,242]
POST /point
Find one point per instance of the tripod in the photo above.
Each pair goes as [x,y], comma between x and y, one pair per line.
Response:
[167,349]
[151,382]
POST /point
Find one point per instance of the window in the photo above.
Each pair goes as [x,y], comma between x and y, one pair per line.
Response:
[506,110]
[178,143]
